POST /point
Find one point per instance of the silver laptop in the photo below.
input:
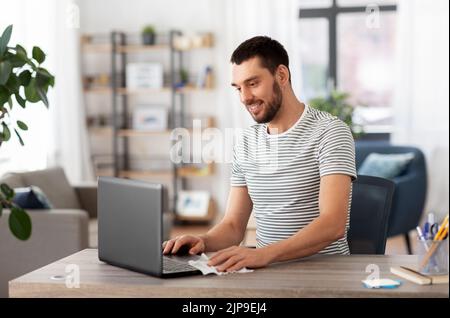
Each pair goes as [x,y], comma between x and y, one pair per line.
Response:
[130,228]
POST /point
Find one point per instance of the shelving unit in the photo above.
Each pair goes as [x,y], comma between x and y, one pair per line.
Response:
[117,128]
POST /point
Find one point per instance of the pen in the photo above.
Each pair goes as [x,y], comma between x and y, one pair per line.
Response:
[438,237]
[422,238]
[443,229]
[428,225]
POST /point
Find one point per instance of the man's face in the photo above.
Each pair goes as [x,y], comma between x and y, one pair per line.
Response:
[258,90]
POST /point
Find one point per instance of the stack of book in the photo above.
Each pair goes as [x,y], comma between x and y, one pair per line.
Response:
[416,277]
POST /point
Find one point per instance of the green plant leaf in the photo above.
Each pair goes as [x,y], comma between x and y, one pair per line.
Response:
[4,39]
[44,78]
[1,210]
[5,71]
[20,100]
[6,135]
[15,60]
[18,136]
[38,54]
[7,191]
[20,223]
[30,92]
[42,95]
[21,52]
[4,95]
[13,83]
[25,77]
[22,125]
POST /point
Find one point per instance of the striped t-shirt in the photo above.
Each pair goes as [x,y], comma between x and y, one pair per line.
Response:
[282,173]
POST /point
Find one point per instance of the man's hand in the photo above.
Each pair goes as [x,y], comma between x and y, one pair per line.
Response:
[194,244]
[236,257]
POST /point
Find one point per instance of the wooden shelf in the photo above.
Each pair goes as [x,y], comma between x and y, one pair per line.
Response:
[98,90]
[104,172]
[189,171]
[141,133]
[101,131]
[102,84]
[144,91]
[96,47]
[146,133]
[137,48]
[132,48]
[185,172]
[135,174]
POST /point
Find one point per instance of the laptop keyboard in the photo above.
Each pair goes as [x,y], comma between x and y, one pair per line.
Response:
[173,266]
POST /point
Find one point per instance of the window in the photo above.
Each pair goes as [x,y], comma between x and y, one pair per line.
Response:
[350,45]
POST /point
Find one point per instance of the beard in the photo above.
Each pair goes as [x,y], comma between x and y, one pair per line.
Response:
[272,107]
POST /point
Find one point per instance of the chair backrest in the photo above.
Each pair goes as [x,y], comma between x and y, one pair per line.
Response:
[369,214]
[417,165]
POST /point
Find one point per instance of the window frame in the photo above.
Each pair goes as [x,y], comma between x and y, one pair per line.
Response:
[331,14]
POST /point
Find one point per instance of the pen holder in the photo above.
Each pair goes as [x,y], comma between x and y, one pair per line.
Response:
[433,257]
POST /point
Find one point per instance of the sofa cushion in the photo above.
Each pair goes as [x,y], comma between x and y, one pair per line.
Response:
[13,180]
[55,185]
[385,165]
[31,198]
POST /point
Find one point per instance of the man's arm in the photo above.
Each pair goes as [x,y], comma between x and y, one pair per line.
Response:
[324,230]
[231,230]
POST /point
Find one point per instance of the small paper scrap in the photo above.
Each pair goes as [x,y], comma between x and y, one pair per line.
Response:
[202,265]
[381,283]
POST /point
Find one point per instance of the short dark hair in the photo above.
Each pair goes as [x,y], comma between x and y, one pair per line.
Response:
[271,53]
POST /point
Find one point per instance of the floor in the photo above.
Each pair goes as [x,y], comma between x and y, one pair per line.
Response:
[394,245]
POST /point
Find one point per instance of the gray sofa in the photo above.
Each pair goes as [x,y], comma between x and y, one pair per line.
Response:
[56,233]
[67,228]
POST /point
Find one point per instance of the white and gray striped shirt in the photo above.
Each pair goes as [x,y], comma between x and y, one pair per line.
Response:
[282,173]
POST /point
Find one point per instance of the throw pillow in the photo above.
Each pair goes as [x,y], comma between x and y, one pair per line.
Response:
[31,198]
[385,165]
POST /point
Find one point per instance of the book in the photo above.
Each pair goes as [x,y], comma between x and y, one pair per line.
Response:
[418,278]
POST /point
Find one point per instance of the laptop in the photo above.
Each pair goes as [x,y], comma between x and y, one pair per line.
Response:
[130,228]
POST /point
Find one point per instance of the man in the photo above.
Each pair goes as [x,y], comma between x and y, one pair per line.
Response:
[293,170]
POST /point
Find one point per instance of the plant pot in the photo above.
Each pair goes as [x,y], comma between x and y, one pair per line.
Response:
[148,39]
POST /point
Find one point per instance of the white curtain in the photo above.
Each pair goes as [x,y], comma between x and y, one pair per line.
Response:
[70,141]
[422,101]
[57,136]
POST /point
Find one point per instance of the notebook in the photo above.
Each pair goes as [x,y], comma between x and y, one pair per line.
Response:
[418,278]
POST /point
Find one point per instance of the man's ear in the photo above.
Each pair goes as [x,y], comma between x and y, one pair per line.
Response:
[282,75]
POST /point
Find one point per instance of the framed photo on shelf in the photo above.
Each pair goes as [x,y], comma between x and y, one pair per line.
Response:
[144,75]
[150,118]
[193,204]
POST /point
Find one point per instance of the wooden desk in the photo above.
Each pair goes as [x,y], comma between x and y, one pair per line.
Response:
[318,276]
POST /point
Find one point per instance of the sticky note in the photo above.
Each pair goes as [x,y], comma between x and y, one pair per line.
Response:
[381,283]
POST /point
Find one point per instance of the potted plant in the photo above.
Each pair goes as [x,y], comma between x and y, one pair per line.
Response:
[24,78]
[148,35]
[336,104]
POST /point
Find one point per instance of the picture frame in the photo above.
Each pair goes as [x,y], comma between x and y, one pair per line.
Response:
[144,76]
[150,118]
[194,205]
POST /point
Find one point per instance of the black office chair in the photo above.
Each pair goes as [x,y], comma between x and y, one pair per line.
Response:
[369,214]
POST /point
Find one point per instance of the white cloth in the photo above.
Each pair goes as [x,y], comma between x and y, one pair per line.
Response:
[202,265]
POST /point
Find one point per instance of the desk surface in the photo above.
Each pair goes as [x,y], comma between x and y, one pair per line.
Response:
[317,276]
